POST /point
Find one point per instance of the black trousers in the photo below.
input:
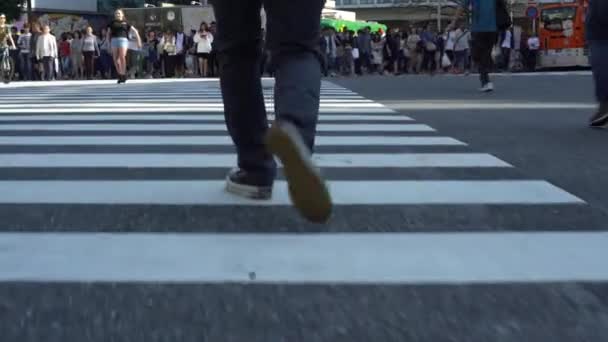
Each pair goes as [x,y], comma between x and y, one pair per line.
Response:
[483,43]
[506,58]
[292,39]
[89,64]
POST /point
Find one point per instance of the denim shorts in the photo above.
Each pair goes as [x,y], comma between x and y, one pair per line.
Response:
[120,43]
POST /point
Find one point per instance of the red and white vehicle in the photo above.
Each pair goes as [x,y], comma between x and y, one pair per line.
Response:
[561,33]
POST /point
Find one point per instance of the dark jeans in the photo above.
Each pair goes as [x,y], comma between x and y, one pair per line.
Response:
[105,63]
[170,65]
[428,61]
[25,65]
[483,42]
[598,58]
[48,65]
[292,39]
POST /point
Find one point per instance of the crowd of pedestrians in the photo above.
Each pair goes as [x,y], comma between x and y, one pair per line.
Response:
[420,49]
[78,55]
[40,54]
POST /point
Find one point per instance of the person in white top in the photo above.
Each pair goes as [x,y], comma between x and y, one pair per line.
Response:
[506,47]
[168,45]
[203,40]
[533,46]
[461,49]
[412,44]
[133,55]
[180,59]
[450,39]
[46,51]
[90,50]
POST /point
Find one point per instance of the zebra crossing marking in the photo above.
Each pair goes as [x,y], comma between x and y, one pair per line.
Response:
[419,192]
[186,117]
[381,258]
[377,258]
[169,109]
[345,127]
[204,140]
[343,160]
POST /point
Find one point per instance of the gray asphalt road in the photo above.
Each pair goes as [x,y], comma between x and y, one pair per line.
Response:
[484,217]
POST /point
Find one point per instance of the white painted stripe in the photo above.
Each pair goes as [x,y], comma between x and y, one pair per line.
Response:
[458,105]
[160,91]
[219,141]
[217,106]
[169,109]
[198,160]
[149,94]
[143,98]
[209,117]
[343,193]
[131,87]
[208,127]
[391,258]
[112,83]
[159,82]
[163,101]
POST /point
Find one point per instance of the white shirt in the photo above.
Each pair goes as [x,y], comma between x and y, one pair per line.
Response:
[507,42]
[179,45]
[533,43]
[450,39]
[46,46]
[412,41]
[203,45]
[462,40]
[89,43]
[133,42]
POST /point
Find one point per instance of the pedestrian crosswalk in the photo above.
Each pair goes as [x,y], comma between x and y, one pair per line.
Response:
[101,183]
[342,133]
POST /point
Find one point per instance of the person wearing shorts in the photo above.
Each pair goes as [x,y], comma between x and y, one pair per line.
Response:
[118,34]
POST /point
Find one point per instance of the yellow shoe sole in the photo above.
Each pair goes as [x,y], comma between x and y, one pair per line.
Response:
[307,190]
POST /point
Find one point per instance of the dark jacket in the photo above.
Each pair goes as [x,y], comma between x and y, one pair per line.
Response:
[597,24]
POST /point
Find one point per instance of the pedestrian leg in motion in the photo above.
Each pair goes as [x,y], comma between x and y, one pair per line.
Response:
[293,29]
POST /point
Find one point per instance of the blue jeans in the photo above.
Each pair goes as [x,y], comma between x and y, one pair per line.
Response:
[599,58]
[292,38]
[25,65]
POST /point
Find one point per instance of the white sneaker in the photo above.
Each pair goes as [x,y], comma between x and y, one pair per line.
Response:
[487,88]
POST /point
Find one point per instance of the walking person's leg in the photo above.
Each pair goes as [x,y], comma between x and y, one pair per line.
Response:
[238,44]
[119,54]
[116,61]
[598,58]
[482,55]
[293,33]
[48,68]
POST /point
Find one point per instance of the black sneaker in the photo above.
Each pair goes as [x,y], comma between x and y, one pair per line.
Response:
[600,119]
[241,183]
[307,189]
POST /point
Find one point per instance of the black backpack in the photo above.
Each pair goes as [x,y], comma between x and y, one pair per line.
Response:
[503,19]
